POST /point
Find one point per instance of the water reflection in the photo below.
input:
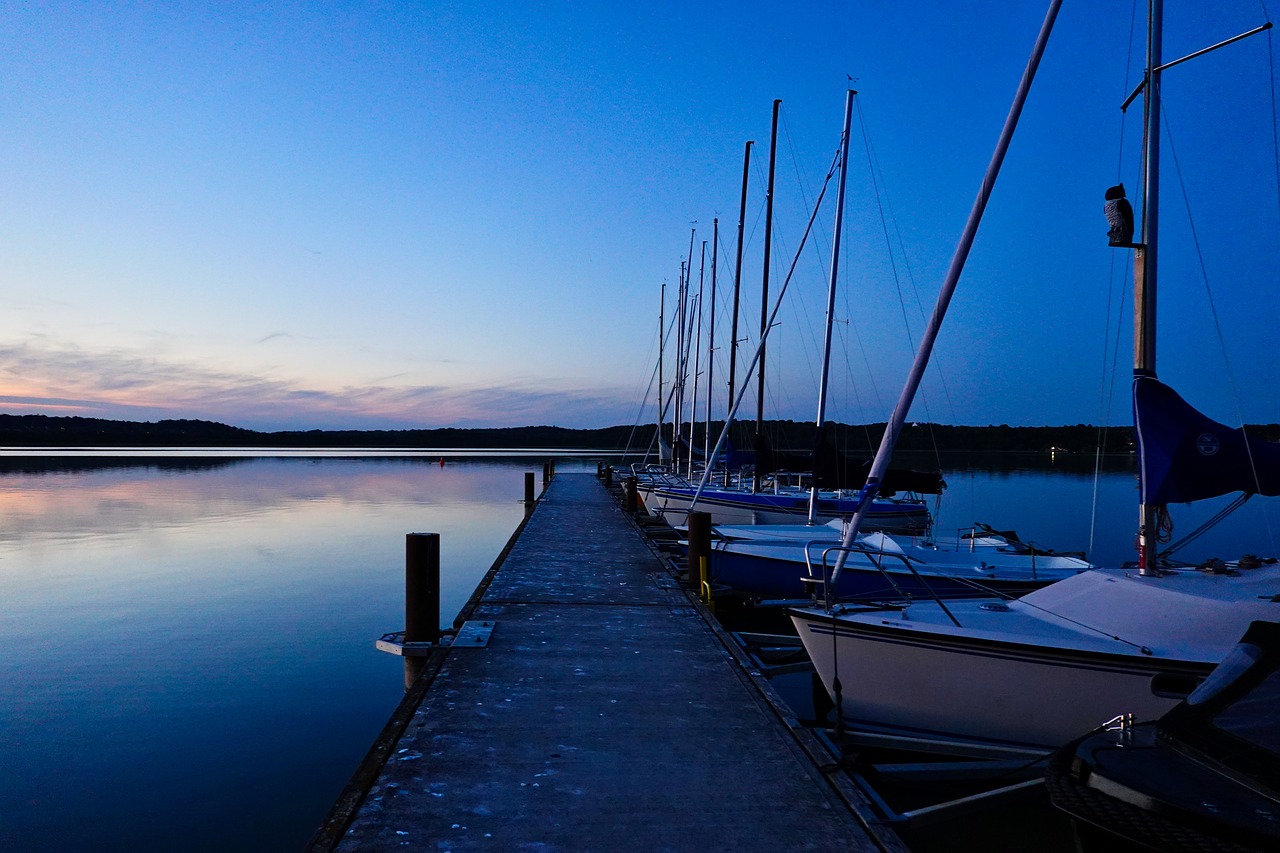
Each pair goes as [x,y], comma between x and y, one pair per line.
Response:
[186,646]
[1096,514]
[186,652]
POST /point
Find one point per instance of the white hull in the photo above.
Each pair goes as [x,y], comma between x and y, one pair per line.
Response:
[1021,675]
[892,679]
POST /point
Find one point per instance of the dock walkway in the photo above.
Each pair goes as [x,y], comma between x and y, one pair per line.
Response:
[605,713]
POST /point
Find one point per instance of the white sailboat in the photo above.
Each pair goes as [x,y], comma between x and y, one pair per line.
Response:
[782,497]
[1054,664]
[783,561]
[780,561]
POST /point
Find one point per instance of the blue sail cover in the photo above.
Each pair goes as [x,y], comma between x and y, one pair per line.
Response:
[1184,456]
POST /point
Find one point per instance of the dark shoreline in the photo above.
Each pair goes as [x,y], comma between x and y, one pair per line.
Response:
[46,431]
[953,445]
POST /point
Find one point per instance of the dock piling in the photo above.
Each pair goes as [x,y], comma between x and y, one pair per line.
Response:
[528,493]
[632,496]
[421,596]
[699,548]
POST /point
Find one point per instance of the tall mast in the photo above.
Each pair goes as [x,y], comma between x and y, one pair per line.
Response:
[1144,261]
[764,299]
[697,353]
[831,294]
[711,341]
[677,381]
[737,274]
[662,322]
[737,288]
[687,322]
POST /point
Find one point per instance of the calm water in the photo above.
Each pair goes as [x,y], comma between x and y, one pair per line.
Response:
[186,645]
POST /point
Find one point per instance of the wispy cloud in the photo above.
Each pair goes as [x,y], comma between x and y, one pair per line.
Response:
[38,377]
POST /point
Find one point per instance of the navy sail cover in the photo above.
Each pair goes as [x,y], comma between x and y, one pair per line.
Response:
[1184,456]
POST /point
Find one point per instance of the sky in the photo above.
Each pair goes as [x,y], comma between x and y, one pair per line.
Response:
[410,215]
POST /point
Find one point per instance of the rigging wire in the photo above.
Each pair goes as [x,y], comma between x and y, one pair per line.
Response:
[800,308]
[887,218]
[644,403]
[1235,504]
[1107,385]
[1232,385]
[1275,122]
[935,364]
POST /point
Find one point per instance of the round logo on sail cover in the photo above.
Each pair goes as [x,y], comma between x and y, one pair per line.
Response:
[1207,443]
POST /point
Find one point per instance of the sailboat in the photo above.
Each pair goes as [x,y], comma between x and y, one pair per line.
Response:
[786,496]
[792,561]
[1046,668]
[782,503]
[783,561]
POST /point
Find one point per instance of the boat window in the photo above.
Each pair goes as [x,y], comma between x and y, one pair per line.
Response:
[1172,685]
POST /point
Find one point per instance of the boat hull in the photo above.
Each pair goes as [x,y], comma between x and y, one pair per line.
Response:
[780,571]
[895,516]
[953,686]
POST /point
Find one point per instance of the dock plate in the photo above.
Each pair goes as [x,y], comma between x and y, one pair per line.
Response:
[474,634]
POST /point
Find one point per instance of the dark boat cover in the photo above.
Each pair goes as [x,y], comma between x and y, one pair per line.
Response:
[833,470]
[1184,456]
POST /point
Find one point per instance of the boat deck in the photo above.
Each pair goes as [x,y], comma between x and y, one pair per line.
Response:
[607,711]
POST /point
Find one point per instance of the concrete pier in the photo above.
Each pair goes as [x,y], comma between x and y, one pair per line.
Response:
[606,712]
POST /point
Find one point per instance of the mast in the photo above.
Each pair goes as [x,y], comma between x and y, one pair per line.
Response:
[764,299]
[737,403]
[686,324]
[737,288]
[662,322]
[677,381]
[831,295]
[899,417]
[1146,251]
[1144,261]
[697,354]
[711,341]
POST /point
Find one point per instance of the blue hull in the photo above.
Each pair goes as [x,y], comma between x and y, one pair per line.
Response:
[733,506]
[776,577]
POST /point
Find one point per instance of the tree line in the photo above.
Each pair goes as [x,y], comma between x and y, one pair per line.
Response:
[851,439]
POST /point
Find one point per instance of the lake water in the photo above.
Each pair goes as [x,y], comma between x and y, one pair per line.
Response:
[186,643]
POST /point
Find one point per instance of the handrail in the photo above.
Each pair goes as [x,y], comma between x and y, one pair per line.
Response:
[872,553]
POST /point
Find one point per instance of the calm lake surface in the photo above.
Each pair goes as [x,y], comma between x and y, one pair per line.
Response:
[186,642]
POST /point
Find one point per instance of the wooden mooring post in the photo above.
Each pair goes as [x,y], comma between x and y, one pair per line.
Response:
[529,498]
[699,548]
[421,597]
[632,502]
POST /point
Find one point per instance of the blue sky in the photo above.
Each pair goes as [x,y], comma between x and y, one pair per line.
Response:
[360,215]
